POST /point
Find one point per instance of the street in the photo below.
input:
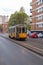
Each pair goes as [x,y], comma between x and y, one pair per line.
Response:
[38,42]
[13,54]
[33,44]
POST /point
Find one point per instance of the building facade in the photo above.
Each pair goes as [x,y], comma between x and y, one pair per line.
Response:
[4,22]
[37,14]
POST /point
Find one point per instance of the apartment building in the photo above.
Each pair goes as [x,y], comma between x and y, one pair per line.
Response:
[4,22]
[37,14]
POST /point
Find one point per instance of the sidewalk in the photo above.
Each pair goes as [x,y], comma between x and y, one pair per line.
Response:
[26,44]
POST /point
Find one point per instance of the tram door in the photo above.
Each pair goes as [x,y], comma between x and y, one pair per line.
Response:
[18,31]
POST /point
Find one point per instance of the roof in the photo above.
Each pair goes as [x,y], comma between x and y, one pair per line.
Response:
[19,25]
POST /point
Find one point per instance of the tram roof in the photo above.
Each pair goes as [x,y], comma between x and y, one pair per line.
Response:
[19,25]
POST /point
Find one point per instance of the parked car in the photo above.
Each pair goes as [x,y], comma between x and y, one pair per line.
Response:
[28,33]
[40,35]
[34,35]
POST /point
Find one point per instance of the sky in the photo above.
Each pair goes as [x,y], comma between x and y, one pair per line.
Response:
[7,7]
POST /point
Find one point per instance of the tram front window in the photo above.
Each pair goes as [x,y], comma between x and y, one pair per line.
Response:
[23,30]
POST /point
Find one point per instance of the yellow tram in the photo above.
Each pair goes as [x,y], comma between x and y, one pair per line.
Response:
[18,31]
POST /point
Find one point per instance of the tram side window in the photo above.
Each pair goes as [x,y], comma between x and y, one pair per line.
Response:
[18,30]
[23,30]
[10,30]
[13,30]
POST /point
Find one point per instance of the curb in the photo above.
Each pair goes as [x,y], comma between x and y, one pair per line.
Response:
[29,47]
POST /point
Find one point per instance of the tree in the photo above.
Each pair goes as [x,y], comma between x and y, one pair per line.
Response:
[1,28]
[12,20]
[28,27]
[22,9]
[17,18]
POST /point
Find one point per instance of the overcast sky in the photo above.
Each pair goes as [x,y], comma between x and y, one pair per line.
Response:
[8,7]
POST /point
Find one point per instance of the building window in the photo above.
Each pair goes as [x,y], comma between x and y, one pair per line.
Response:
[42,1]
[40,9]
[42,17]
[40,25]
[36,18]
[39,17]
[37,25]
[39,2]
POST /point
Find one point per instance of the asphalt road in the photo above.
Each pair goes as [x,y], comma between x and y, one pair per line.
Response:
[37,42]
[13,54]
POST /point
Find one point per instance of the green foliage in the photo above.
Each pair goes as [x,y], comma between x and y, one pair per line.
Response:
[17,17]
[28,26]
[0,27]
[22,9]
